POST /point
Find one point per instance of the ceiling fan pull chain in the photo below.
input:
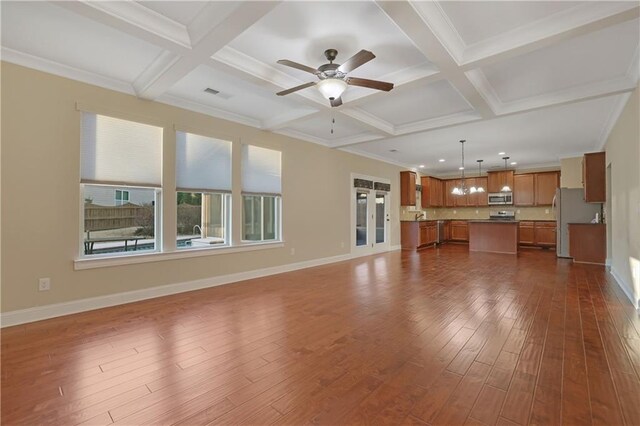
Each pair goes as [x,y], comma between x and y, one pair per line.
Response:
[333,121]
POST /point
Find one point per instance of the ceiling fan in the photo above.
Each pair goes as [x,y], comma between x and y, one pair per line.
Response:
[333,77]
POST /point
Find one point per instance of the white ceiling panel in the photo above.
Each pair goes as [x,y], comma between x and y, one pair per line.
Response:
[476,21]
[302,31]
[236,96]
[47,31]
[319,126]
[182,12]
[533,138]
[592,58]
[408,105]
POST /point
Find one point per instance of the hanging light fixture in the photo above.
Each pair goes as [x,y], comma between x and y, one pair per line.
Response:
[479,188]
[506,187]
[462,188]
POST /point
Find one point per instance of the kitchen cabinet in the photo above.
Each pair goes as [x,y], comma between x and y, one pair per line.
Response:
[588,242]
[432,192]
[523,189]
[594,177]
[545,187]
[496,180]
[408,188]
[545,234]
[526,233]
[480,198]
[447,230]
[415,235]
[460,200]
[459,230]
[449,198]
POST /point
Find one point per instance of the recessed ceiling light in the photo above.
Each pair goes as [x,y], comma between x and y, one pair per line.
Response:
[513,163]
[460,168]
[501,153]
[442,160]
[421,166]
[393,150]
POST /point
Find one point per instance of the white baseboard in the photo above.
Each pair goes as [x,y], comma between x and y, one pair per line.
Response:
[38,313]
[625,290]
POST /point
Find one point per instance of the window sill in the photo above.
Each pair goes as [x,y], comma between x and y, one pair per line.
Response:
[131,259]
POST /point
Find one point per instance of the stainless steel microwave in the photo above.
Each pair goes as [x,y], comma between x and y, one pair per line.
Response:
[500,198]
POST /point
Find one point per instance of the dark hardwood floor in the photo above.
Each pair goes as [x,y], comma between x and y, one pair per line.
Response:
[441,337]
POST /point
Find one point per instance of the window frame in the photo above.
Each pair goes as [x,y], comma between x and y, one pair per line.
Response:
[157,223]
[277,222]
[226,208]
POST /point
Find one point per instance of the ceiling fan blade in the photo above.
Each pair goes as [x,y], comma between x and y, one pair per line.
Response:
[371,84]
[297,66]
[336,102]
[360,58]
[295,89]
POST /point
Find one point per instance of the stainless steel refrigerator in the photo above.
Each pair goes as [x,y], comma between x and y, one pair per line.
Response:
[570,207]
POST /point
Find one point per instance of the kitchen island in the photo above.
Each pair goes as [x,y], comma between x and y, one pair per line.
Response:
[494,236]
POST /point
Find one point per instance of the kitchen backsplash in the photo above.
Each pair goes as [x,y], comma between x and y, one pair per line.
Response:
[522,213]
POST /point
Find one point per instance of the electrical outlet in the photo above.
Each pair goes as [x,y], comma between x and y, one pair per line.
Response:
[476,211]
[44,284]
[293,251]
[518,211]
[342,244]
[546,211]
[455,212]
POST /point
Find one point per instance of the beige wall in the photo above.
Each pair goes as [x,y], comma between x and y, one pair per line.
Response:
[40,193]
[571,172]
[623,201]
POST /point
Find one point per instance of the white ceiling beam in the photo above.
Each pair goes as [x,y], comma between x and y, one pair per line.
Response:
[574,22]
[410,21]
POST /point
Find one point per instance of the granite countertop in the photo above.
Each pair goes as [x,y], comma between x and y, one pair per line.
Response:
[501,221]
[585,223]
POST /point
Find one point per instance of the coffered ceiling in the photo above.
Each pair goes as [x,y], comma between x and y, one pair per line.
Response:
[538,80]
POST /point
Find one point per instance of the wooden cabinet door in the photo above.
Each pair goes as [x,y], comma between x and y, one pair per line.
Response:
[545,187]
[545,234]
[526,232]
[481,197]
[494,181]
[449,198]
[447,231]
[470,199]
[433,233]
[523,190]
[436,192]
[408,188]
[427,189]
[459,200]
[459,231]
[594,177]
[424,235]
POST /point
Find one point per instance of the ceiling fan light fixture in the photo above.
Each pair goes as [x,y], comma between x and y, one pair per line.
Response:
[332,88]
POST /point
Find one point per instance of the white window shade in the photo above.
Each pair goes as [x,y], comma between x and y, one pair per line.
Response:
[202,164]
[261,170]
[120,152]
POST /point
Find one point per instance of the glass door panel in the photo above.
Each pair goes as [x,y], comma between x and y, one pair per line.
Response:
[362,199]
[381,218]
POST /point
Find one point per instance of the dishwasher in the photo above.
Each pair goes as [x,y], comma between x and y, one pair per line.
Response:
[440,237]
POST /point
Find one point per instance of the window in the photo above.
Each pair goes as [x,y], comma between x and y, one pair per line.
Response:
[123,158]
[261,198]
[122,197]
[203,179]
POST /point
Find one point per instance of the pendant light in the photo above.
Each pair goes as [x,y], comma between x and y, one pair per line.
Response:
[506,187]
[479,188]
[462,189]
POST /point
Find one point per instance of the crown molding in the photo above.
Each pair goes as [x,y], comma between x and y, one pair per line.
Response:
[611,121]
[370,120]
[158,67]
[303,136]
[438,122]
[143,17]
[288,119]
[208,110]
[432,14]
[56,68]
[355,151]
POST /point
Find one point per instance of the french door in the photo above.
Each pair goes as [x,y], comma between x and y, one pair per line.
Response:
[370,210]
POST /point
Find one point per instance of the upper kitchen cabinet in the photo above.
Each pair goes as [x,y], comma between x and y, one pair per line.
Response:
[593,177]
[497,180]
[449,198]
[546,185]
[523,190]
[432,192]
[408,188]
[479,198]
